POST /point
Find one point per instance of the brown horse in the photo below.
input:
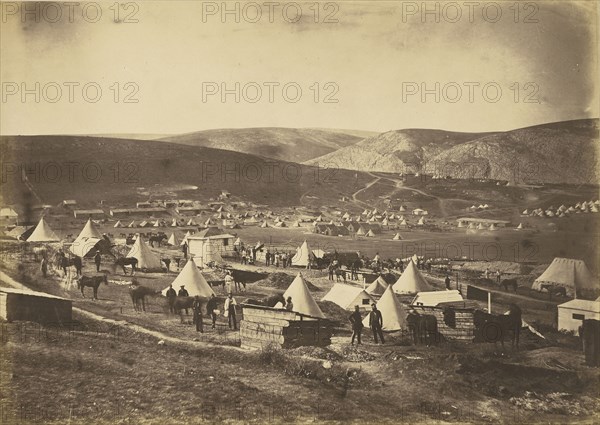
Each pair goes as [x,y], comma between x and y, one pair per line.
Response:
[267,302]
[138,296]
[126,261]
[506,283]
[185,303]
[423,328]
[157,238]
[495,327]
[93,282]
[554,290]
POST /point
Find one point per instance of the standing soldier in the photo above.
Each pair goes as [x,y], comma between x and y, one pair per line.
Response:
[98,260]
[229,282]
[171,296]
[183,293]
[447,282]
[44,266]
[498,275]
[211,308]
[197,309]
[357,326]
[376,323]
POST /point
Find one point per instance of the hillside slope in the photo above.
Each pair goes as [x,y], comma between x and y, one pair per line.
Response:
[90,169]
[564,152]
[287,144]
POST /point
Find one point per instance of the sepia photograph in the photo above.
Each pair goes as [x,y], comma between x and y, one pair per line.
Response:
[300,212]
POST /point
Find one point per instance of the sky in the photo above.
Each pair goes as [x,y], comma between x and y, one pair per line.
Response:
[159,67]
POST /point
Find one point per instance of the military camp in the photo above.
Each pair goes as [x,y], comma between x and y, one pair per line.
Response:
[314,212]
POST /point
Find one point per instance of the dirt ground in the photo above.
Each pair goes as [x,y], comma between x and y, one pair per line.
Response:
[95,373]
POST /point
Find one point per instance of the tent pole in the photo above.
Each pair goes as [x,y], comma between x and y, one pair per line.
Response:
[489,303]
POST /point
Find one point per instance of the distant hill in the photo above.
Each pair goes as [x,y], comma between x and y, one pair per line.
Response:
[90,169]
[288,144]
[564,152]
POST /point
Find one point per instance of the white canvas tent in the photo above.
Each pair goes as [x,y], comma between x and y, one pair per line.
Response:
[147,259]
[347,296]
[392,312]
[303,255]
[89,230]
[302,299]
[83,245]
[173,240]
[397,237]
[377,287]
[118,224]
[411,281]
[43,233]
[131,224]
[194,281]
[569,273]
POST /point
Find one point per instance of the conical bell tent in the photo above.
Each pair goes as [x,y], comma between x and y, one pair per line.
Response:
[146,258]
[194,281]
[302,299]
[43,233]
[411,281]
[90,230]
[393,312]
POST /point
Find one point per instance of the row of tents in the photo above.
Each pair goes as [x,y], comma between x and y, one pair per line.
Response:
[563,210]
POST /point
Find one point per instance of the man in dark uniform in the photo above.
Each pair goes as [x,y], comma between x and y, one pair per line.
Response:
[183,293]
[447,282]
[357,326]
[197,309]
[171,296]
[376,323]
[97,260]
[211,306]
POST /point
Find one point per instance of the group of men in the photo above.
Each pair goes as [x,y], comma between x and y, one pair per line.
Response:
[375,323]
[498,275]
[248,255]
[278,258]
[211,308]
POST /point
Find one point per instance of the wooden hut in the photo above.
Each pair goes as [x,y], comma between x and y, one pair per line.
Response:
[263,326]
[21,304]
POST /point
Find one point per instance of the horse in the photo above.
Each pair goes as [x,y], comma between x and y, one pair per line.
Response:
[185,303]
[126,261]
[93,282]
[509,282]
[495,327]
[340,274]
[554,290]
[267,302]
[63,262]
[423,328]
[157,238]
[167,262]
[138,294]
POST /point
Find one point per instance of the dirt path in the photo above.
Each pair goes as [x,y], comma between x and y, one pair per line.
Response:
[136,328]
[368,185]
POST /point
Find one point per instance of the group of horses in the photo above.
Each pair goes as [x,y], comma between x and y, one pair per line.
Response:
[495,328]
